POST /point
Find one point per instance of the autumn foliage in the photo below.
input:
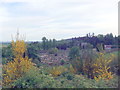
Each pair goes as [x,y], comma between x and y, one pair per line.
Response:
[101,67]
[20,64]
[58,70]
[95,67]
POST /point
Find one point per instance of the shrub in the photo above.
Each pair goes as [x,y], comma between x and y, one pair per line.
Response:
[62,62]
[35,79]
[37,62]
[70,77]
[75,81]
[88,57]
[72,69]
[114,68]
[53,51]
[89,46]
[84,63]
[57,70]
[74,52]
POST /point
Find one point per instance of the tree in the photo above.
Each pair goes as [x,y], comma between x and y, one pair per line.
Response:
[44,42]
[50,43]
[101,67]
[101,38]
[54,43]
[109,39]
[87,58]
[47,45]
[20,64]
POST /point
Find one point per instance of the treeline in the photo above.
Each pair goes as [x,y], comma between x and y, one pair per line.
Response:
[47,44]
[107,39]
[91,39]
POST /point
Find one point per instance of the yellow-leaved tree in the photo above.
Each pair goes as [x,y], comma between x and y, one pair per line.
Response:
[101,67]
[20,64]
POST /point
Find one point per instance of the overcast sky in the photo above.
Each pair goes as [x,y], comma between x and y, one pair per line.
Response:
[59,19]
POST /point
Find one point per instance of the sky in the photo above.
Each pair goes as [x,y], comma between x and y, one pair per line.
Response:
[59,19]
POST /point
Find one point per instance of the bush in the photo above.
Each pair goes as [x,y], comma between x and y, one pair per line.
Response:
[70,77]
[80,81]
[37,62]
[58,70]
[114,64]
[62,62]
[89,46]
[88,57]
[75,81]
[76,66]
[84,64]
[74,52]
[35,79]
[72,69]
[53,51]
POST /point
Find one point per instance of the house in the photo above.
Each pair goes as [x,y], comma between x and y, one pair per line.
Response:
[107,47]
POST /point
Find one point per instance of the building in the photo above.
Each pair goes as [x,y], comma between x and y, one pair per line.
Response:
[107,47]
